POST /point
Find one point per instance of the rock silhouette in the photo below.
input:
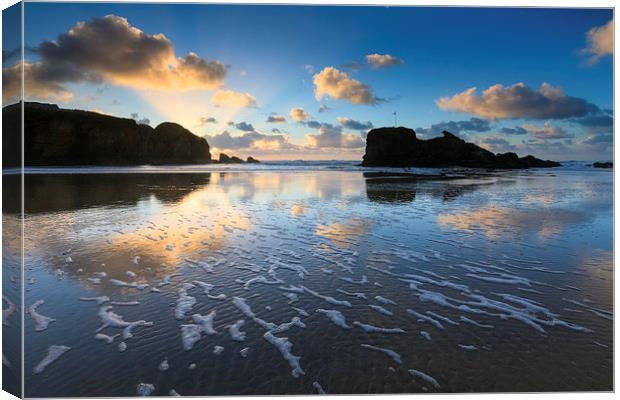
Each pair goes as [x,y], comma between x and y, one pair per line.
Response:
[225,159]
[59,137]
[399,147]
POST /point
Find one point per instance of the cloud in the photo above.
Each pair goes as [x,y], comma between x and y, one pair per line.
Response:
[250,141]
[298,114]
[599,42]
[374,61]
[456,127]
[600,120]
[547,131]
[517,130]
[206,120]
[382,60]
[124,54]
[540,144]
[275,130]
[312,124]
[595,124]
[336,84]
[356,125]
[111,49]
[231,99]
[600,145]
[323,108]
[497,144]
[141,121]
[39,80]
[332,136]
[518,101]
[599,139]
[276,119]
[244,126]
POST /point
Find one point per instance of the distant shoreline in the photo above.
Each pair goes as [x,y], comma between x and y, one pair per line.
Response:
[273,166]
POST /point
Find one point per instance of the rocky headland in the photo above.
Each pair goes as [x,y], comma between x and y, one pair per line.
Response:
[54,136]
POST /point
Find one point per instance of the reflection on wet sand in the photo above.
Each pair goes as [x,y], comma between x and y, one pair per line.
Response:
[497,221]
[169,223]
[343,234]
[402,188]
[66,192]
[11,303]
[11,286]
[296,278]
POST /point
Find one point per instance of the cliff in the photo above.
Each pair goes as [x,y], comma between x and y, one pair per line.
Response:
[399,147]
[58,137]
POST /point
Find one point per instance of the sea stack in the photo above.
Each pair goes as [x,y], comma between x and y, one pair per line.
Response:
[399,147]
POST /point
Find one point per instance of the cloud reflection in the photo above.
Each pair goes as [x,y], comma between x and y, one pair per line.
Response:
[497,221]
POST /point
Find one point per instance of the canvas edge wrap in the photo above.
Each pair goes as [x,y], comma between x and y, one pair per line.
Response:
[12,213]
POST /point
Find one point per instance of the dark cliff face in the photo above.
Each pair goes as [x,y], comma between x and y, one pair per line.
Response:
[178,145]
[59,137]
[399,147]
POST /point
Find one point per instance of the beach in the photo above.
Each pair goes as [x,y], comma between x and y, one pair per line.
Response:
[297,279]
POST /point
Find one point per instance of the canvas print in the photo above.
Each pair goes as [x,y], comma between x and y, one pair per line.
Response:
[213,199]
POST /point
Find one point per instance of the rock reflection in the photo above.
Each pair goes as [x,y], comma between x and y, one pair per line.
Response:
[66,192]
[403,187]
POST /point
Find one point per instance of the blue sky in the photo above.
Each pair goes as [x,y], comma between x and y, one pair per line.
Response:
[274,53]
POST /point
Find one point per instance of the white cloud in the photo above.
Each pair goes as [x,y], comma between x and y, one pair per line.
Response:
[336,84]
[249,141]
[231,99]
[517,101]
[298,114]
[547,131]
[600,41]
[382,60]
[330,136]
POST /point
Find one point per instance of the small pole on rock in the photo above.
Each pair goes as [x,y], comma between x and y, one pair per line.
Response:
[395,120]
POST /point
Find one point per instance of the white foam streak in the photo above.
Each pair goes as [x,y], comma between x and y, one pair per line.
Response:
[41,322]
[53,353]
[285,347]
[391,353]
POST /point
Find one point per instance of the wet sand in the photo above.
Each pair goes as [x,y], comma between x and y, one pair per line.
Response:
[344,282]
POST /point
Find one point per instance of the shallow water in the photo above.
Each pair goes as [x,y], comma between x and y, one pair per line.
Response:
[495,283]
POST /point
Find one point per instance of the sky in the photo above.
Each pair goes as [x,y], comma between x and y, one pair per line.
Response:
[308,82]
